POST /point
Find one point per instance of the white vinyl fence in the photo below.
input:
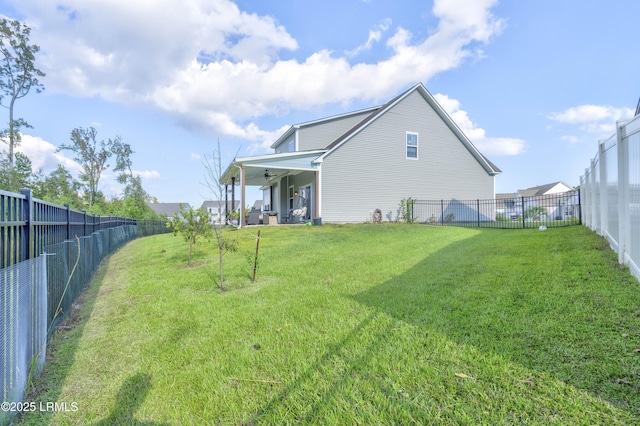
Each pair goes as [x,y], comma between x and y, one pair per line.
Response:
[610,191]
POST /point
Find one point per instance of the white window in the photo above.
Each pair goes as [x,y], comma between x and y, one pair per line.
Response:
[292,145]
[412,145]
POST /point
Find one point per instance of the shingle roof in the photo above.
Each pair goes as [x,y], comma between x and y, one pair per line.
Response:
[167,209]
[541,189]
[215,204]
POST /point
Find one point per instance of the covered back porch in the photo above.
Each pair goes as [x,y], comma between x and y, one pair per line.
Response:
[289,182]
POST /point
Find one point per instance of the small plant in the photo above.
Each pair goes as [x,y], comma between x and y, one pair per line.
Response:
[192,224]
[406,210]
[234,216]
[534,212]
[502,218]
[433,219]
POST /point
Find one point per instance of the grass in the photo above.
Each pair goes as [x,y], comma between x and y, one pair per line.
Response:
[363,324]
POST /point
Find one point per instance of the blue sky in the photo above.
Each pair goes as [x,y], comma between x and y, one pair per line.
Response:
[533,83]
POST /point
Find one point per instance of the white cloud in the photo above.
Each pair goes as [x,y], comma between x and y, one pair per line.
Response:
[374,36]
[595,120]
[147,174]
[210,65]
[44,155]
[487,145]
[591,113]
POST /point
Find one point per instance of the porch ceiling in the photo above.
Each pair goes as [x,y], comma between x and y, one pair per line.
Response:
[275,166]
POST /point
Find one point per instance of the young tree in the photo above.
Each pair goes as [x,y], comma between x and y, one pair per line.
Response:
[192,224]
[18,75]
[213,181]
[92,156]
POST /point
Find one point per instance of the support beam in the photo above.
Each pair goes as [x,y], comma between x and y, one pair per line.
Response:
[233,197]
[243,219]
[316,204]
[226,200]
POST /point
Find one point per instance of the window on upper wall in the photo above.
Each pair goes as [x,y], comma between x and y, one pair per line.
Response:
[292,145]
[412,145]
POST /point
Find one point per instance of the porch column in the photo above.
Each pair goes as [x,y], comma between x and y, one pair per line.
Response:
[316,204]
[243,219]
[233,199]
[226,199]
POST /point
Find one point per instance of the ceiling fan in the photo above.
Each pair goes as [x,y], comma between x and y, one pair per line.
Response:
[268,175]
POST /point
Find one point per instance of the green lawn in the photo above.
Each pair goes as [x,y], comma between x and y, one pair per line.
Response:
[363,324]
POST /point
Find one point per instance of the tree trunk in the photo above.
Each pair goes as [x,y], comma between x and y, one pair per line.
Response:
[12,137]
[220,254]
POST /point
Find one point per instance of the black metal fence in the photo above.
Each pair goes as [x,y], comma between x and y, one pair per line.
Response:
[48,254]
[28,226]
[554,210]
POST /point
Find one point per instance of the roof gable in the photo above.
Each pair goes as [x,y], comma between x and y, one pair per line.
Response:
[490,168]
[549,188]
[286,136]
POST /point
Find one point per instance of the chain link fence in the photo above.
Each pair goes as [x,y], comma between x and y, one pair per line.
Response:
[48,254]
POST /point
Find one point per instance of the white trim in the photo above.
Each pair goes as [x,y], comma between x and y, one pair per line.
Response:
[279,155]
[334,117]
[271,166]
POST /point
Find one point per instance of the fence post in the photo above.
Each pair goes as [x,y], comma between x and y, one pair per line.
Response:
[68,221]
[580,206]
[441,212]
[27,232]
[623,191]
[595,216]
[522,202]
[603,188]
[478,209]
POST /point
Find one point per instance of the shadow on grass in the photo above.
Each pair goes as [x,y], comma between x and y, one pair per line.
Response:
[570,312]
[128,399]
[312,400]
[61,353]
[557,307]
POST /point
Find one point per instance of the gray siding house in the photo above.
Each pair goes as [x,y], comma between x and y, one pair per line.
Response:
[168,209]
[342,168]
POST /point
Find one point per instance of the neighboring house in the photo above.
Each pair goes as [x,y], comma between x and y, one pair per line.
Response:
[506,205]
[219,208]
[257,205]
[559,200]
[342,168]
[167,209]
[548,189]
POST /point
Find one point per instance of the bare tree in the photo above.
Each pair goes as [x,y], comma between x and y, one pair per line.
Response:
[213,181]
[18,74]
